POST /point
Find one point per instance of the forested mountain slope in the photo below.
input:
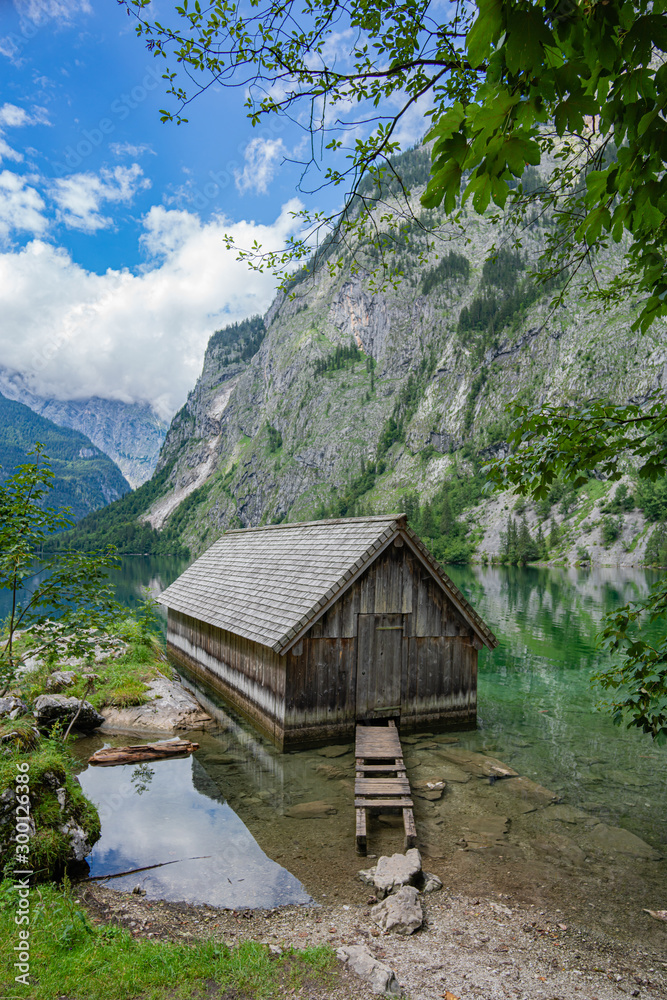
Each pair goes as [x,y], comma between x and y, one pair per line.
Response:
[131,434]
[358,400]
[85,478]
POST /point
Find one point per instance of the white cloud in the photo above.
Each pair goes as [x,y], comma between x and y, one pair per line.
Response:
[12,116]
[21,206]
[79,197]
[132,337]
[261,159]
[41,11]
[130,149]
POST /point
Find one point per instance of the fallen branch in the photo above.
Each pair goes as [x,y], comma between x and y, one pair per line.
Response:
[146,868]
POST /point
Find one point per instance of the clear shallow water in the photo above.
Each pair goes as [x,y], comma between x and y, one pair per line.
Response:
[536,705]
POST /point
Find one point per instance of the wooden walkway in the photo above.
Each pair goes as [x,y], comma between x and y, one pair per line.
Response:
[381,780]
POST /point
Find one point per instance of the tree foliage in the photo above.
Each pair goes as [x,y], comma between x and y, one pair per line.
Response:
[63,604]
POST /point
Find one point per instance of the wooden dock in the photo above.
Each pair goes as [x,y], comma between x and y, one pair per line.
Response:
[381,780]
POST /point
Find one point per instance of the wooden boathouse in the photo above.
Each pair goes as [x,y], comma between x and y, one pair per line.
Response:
[309,628]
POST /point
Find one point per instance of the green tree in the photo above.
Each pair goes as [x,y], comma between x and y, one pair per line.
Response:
[65,613]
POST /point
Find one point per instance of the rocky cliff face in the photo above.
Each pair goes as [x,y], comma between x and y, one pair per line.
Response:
[131,434]
[358,399]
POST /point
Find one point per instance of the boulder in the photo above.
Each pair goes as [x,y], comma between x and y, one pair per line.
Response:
[391,874]
[401,912]
[60,679]
[379,976]
[11,707]
[52,708]
[311,810]
[169,708]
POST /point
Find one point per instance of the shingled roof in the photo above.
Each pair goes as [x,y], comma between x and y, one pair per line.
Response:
[267,584]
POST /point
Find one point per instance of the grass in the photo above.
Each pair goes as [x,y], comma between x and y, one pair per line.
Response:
[123,680]
[70,957]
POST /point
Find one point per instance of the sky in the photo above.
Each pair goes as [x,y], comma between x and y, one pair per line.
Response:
[113,269]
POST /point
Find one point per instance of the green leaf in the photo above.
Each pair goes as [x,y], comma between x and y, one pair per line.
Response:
[527,37]
[485,31]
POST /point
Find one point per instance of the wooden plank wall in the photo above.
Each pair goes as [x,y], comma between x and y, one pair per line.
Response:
[439,684]
[250,676]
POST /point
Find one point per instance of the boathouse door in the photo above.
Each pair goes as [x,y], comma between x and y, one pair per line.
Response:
[379,666]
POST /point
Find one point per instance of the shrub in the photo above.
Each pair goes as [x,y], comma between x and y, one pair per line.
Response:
[611,529]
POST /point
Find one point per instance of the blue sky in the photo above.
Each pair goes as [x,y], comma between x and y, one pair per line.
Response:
[113,270]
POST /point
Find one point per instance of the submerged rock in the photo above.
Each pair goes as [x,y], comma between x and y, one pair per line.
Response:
[479,764]
[334,751]
[52,708]
[379,976]
[618,840]
[569,814]
[311,810]
[400,912]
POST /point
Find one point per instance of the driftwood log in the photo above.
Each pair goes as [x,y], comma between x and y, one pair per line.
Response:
[142,751]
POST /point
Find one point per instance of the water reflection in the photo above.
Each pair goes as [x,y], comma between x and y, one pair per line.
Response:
[186,820]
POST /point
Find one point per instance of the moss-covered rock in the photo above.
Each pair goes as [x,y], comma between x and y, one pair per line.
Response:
[63,825]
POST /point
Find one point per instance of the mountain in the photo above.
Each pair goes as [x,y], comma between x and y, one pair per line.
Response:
[85,478]
[360,400]
[131,434]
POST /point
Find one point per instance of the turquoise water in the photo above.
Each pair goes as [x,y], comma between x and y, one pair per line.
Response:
[537,708]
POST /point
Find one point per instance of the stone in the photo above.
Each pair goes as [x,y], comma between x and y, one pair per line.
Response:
[333,751]
[431,883]
[562,847]
[169,708]
[52,708]
[489,826]
[456,775]
[60,679]
[379,976]
[479,764]
[569,814]
[11,707]
[530,791]
[331,771]
[391,874]
[620,841]
[400,912]
[311,810]
[429,790]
